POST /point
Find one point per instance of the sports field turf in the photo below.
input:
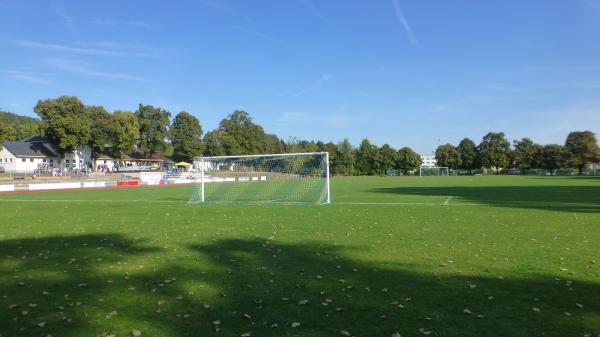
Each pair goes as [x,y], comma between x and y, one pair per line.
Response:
[438,256]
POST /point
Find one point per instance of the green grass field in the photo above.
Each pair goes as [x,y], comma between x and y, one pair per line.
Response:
[439,256]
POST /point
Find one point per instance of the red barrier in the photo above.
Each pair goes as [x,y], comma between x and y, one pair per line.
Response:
[128,183]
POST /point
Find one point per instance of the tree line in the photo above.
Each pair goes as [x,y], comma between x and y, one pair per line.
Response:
[69,123]
[495,151]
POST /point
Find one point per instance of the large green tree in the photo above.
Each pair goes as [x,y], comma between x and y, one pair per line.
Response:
[272,144]
[524,154]
[494,150]
[154,129]
[345,158]
[66,122]
[330,148]
[102,131]
[408,160]
[244,136]
[468,155]
[388,157]
[448,155]
[238,134]
[186,137]
[368,160]
[215,142]
[555,157]
[538,156]
[583,147]
[127,131]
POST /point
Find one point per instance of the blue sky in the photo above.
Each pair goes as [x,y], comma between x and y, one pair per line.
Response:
[407,73]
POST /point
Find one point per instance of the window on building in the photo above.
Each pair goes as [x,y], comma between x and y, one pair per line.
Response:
[23,160]
[31,160]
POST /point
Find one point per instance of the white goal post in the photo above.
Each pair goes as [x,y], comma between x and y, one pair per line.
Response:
[433,171]
[265,178]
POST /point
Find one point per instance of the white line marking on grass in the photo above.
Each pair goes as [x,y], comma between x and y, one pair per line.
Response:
[342,203]
[404,203]
[447,200]
[515,203]
[89,200]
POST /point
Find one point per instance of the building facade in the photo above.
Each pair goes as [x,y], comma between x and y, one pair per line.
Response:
[428,161]
[37,153]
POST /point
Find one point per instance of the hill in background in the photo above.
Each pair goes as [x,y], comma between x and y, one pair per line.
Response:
[15,127]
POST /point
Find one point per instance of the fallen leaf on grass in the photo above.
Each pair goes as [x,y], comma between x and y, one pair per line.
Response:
[136,333]
[295,325]
[424,331]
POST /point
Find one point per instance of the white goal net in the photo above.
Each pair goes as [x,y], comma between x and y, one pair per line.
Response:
[271,178]
[433,171]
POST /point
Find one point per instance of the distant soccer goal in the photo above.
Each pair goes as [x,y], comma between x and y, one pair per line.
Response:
[260,179]
[433,171]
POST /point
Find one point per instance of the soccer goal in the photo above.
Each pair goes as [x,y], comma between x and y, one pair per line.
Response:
[259,179]
[433,171]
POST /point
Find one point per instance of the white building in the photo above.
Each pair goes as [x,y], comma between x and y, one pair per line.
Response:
[38,153]
[428,161]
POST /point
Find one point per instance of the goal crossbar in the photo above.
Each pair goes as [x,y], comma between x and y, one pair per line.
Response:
[264,155]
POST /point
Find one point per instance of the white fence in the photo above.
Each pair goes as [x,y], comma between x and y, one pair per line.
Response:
[7,188]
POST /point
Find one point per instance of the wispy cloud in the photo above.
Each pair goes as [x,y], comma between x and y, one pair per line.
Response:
[314,86]
[27,76]
[116,23]
[264,36]
[85,68]
[59,9]
[102,49]
[314,10]
[402,19]
[219,5]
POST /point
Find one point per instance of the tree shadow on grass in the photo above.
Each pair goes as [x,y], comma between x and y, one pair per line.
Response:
[580,199]
[55,285]
[231,287]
